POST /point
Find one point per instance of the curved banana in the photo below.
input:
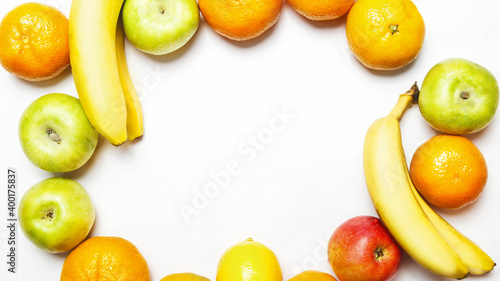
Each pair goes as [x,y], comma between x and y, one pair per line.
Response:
[385,171]
[134,111]
[92,33]
[471,254]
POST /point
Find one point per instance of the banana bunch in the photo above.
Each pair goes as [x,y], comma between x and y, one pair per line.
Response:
[102,79]
[419,230]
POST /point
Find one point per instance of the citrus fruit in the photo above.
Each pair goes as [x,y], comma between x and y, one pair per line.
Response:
[321,9]
[240,20]
[248,261]
[34,42]
[105,258]
[184,277]
[449,171]
[312,275]
[385,34]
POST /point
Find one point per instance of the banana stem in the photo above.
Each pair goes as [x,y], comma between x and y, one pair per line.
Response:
[405,101]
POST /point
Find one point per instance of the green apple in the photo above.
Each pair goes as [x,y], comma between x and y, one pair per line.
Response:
[458,97]
[56,214]
[160,27]
[56,135]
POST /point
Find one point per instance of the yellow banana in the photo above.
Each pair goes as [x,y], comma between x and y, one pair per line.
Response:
[134,110]
[92,34]
[385,171]
[472,255]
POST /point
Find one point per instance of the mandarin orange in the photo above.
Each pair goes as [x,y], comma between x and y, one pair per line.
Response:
[312,275]
[321,9]
[240,20]
[105,259]
[449,171]
[385,34]
[184,277]
[34,42]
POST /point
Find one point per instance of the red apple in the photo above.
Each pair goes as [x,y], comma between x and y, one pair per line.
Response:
[361,249]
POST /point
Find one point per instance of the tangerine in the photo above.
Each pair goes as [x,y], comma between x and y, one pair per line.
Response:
[184,277]
[105,258]
[385,34]
[312,275]
[34,42]
[240,20]
[321,9]
[449,171]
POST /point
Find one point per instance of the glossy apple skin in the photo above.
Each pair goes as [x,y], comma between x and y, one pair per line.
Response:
[64,115]
[354,246]
[56,214]
[458,97]
[160,27]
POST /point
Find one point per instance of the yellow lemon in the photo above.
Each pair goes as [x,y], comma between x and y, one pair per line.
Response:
[184,277]
[249,261]
[312,275]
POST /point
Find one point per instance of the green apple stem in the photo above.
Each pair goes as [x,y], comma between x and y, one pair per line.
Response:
[464,95]
[55,137]
[49,215]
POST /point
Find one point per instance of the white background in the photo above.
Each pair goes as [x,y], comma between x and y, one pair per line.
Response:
[204,103]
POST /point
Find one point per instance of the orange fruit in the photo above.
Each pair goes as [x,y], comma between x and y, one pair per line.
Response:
[385,34]
[240,20]
[184,277]
[312,275]
[34,42]
[105,258]
[449,171]
[321,9]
